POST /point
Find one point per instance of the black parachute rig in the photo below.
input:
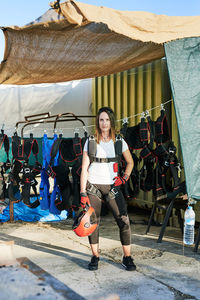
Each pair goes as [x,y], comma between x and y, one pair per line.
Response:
[4,166]
[22,176]
[70,152]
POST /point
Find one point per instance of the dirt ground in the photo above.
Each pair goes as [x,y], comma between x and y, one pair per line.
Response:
[166,270]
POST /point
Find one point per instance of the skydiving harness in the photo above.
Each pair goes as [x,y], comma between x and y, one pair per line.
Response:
[166,161]
[47,199]
[142,136]
[164,156]
[92,149]
[133,138]
[4,166]
[147,171]
[21,150]
[70,151]
[4,141]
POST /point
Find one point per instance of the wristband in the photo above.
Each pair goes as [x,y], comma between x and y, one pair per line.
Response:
[126,176]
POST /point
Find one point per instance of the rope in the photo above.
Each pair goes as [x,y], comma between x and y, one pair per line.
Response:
[10,129]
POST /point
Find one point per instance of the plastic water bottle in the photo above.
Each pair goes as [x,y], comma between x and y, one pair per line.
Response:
[189,221]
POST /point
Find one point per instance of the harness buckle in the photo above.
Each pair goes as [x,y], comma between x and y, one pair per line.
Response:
[32,182]
[7,184]
[91,189]
[112,194]
[27,170]
[171,150]
[166,163]
[114,191]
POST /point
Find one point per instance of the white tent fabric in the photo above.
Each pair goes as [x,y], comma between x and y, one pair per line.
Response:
[19,101]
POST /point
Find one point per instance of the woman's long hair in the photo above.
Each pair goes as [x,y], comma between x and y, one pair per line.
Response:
[111,116]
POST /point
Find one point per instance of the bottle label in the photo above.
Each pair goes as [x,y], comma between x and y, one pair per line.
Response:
[188,236]
[189,221]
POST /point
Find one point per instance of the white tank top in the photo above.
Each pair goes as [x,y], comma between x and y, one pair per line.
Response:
[103,173]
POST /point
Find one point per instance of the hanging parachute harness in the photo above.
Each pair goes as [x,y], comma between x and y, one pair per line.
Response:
[70,151]
[167,162]
[21,150]
[4,166]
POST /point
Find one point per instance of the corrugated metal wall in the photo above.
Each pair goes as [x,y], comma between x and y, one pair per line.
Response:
[133,91]
[130,93]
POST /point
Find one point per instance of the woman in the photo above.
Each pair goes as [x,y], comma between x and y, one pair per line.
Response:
[100,180]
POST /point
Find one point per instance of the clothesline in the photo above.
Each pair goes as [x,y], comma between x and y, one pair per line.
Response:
[144,113]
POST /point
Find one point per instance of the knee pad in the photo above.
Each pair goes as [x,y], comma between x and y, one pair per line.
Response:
[123,221]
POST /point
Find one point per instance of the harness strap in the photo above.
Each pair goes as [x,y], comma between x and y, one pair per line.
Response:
[162,133]
[54,149]
[112,193]
[5,141]
[143,131]
[104,160]
[92,146]
[93,190]
[124,128]
[151,126]
[77,146]
[92,149]
[118,145]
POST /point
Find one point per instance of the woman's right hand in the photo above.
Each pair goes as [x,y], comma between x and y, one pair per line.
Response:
[84,200]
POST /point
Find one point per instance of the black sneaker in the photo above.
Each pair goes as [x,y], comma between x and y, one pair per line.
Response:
[93,265]
[128,263]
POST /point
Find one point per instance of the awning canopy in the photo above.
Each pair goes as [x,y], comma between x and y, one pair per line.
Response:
[81,41]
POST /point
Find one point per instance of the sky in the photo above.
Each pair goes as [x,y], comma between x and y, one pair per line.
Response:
[21,12]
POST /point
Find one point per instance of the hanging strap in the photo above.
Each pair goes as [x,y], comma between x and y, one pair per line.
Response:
[162,133]
[54,149]
[77,145]
[4,140]
[143,131]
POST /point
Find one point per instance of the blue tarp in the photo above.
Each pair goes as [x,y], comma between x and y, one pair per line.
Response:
[24,213]
[183,60]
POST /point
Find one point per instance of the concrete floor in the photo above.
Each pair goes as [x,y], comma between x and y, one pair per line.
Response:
[166,270]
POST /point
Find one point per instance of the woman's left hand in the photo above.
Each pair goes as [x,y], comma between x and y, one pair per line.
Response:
[121,180]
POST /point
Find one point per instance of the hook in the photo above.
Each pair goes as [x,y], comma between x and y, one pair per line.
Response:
[147,113]
[142,115]
[162,107]
[15,131]
[125,121]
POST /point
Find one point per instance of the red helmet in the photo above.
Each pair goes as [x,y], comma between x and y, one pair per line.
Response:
[86,222]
